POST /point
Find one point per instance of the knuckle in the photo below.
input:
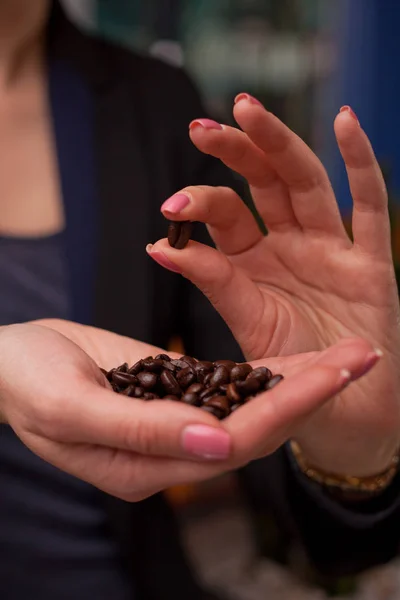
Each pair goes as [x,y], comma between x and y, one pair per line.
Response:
[141,437]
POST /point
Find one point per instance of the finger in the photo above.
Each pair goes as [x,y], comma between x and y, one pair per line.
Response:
[371,226]
[356,353]
[230,222]
[126,475]
[269,419]
[313,200]
[94,415]
[234,148]
[236,297]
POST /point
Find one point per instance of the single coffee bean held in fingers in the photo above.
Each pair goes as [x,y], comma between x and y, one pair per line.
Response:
[179,233]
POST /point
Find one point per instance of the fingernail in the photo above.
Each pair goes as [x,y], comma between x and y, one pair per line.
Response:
[350,111]
[247,97]
[205,123]
[162,260]
[176,203]
[344,379]
[206,442]
[371,359]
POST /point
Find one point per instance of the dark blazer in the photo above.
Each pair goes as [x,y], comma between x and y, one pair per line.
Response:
[142,108]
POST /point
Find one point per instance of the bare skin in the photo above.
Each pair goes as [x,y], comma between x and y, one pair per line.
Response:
[306,285]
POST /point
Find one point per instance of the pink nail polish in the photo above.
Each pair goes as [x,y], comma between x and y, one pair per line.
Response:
[206,442]
[175,204]
[370,361]
[164,261]
[344,379]
[247,97]
[350,111]
[205,123]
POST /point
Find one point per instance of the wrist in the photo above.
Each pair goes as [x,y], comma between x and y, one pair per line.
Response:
[357,460]
[344,484]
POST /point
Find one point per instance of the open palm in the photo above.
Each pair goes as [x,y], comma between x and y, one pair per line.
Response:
[306,285]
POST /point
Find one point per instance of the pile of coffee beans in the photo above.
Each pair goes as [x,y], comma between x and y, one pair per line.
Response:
[179,233]
[218,387]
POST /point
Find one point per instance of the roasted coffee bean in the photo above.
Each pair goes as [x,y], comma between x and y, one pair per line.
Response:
[205,366]
[217,412]
[202,369]
[191,398]
[179,233]
[129,391]
[273,382]
[195,388]
[171,386]
[261,376]
[136,368]
[155,365]
[163,357]
[110,374]
[219,388]
[150,396]
[189,360]
[232,393]
[247,387]
[148,380]
[123,379]
[240,372]
[180,364]
[228,364]
[208,392]
[220,376]
[219,402]
[206,380]
[263,370]
[167,364]
[186,377]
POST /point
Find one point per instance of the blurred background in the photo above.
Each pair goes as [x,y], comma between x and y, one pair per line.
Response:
[303,59]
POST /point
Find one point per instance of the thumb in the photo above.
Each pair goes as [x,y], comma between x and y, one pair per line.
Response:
[227,287]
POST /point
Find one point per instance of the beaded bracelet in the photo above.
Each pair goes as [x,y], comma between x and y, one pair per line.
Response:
[349,486]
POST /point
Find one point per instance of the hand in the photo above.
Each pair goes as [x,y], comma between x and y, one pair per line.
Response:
[306,285]
[56,399]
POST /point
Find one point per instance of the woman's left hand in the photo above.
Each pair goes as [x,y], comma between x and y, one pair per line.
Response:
[305,286]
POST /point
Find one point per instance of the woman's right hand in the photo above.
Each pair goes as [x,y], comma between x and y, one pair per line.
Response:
[56,399]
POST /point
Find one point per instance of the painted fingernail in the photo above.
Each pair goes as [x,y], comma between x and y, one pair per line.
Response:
[371,359]
[344,378]
[162,260]
[205,124]
[247,97]
[175,204]
[350,111]
[206,442]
